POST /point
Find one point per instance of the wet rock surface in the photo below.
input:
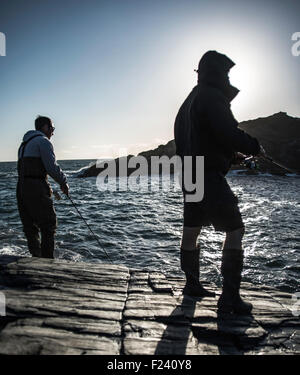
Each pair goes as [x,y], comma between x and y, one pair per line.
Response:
[59,307]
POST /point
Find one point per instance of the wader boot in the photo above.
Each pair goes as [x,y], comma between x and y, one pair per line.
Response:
[189,260]
[231,269]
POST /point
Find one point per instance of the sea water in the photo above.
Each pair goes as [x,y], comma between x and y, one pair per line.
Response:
[142,229]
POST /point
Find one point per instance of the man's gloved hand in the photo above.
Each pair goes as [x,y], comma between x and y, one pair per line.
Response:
[65,188]
[238,158]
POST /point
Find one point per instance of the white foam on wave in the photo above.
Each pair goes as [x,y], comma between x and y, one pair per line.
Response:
[68,254]
[12,250]
[78,173]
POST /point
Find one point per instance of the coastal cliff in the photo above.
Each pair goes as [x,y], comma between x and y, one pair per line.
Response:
[279,134]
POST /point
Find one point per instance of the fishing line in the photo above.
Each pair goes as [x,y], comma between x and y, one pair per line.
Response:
[89,228]
[57,196]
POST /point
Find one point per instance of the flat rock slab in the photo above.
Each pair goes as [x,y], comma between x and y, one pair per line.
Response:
[61,307]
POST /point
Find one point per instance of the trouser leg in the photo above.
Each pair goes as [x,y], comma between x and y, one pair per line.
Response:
[234,239]
[30,229]
[48,226]
[47,243]
[33,240]
[189,238]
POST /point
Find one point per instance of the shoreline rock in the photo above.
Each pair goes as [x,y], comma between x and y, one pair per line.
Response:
[60,307]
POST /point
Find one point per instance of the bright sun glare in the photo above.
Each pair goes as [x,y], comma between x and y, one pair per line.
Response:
[244,78]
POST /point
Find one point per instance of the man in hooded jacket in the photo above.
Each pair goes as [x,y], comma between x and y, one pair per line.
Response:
[205,126]
[36,160]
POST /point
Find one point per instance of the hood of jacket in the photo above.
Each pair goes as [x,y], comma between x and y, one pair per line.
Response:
[213,70]
[32,133]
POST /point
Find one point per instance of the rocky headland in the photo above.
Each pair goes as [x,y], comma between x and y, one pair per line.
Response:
[279,134]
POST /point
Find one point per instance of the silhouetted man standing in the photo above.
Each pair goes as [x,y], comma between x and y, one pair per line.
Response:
[36,159]
[205,126]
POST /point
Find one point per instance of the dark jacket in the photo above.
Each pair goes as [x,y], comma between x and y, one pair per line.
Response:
[205,125]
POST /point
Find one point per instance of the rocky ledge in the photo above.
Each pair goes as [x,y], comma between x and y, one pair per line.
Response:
[59,307]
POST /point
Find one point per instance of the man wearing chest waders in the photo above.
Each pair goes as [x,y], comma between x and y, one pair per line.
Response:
[205,126]
[36,159]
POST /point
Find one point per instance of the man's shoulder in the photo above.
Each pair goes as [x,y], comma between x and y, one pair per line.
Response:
[43,141]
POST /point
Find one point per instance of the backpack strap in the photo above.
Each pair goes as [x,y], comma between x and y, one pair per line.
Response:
[24,144]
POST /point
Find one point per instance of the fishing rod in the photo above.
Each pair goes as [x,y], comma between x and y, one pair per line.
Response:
[280,165]
[57,196]
[252,159]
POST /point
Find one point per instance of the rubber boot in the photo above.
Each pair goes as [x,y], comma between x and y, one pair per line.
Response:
[189,260]
[231,269]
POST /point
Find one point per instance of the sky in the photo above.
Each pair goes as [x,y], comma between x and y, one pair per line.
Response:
[113,74]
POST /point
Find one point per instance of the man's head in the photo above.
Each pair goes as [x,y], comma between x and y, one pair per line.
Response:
[213,69]
[44,125]
[213,62]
